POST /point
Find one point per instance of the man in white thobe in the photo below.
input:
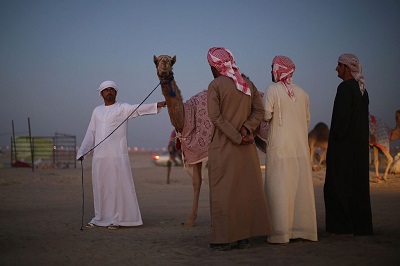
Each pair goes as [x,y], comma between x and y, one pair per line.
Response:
[115,201]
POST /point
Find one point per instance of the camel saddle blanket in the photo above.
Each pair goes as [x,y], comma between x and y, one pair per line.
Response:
[380,131]
[196,133]
[197,129]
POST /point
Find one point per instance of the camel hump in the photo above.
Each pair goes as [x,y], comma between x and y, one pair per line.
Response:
[321,126]
[320,132]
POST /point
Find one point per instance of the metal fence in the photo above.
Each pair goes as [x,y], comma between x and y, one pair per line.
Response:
[58,151]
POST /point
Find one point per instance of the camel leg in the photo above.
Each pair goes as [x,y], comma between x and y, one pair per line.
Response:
[322,156]
[314,167]
[169,164]
[390,161]
[203,169]
[312,148]
[196,179]
[376,162]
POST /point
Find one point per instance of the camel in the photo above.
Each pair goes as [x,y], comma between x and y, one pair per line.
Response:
[395,169]
[318,137]
[175,154]
[380,137]
[192,124]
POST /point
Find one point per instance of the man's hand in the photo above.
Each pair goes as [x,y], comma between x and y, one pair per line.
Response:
[243,131]
[162,104]
[80,158]
[246,137]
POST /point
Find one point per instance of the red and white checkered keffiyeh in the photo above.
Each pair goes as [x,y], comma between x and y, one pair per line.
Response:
[222,59]
[282,69]
[353,63]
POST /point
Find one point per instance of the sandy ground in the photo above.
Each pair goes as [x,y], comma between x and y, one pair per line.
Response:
[40,222]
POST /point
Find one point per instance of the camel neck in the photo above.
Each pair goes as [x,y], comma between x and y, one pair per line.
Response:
[166,80]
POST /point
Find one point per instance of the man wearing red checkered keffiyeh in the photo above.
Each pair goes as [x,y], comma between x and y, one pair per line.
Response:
[282,70]
[237,201]
[223,61]
[288,184]
[355,67]
[346,189]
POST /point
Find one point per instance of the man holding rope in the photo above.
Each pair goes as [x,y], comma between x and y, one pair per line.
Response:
[115,201]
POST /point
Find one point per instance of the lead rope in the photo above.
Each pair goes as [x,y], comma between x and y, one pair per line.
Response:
[83,192]
[83,197]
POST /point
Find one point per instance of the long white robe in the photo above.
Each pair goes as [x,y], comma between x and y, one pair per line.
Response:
[115,201]
[288,181]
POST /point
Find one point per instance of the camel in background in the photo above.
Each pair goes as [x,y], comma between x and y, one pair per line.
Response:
[192,124]
[318,137]
[395,169]
[380,137]
[173,153]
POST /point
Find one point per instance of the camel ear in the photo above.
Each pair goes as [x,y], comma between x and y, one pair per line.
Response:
[173,60]
[155,59]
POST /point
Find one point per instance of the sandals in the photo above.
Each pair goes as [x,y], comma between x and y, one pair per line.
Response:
[113,227]
[91,225]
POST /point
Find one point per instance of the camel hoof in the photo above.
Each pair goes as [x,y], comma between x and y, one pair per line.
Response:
[316,167]
[187,224]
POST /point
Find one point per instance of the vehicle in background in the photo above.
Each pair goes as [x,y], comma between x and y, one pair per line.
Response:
[162,159]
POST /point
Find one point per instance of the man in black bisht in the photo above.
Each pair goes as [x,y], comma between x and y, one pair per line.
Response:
[346,189]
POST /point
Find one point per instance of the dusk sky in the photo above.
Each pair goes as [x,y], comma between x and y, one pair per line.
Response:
[55,53]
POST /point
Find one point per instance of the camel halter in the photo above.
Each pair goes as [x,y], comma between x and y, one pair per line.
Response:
[167,81]
[83,192]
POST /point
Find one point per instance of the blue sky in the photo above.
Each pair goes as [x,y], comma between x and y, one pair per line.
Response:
[54,54]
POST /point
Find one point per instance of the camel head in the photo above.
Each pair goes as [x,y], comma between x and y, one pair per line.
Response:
[164,65]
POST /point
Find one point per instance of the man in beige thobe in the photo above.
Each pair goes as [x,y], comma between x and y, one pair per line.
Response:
[238,206]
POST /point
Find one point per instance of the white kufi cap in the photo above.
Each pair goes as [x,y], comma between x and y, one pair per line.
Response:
[107,84]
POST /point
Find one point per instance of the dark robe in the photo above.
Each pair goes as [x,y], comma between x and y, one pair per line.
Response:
[346,189]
